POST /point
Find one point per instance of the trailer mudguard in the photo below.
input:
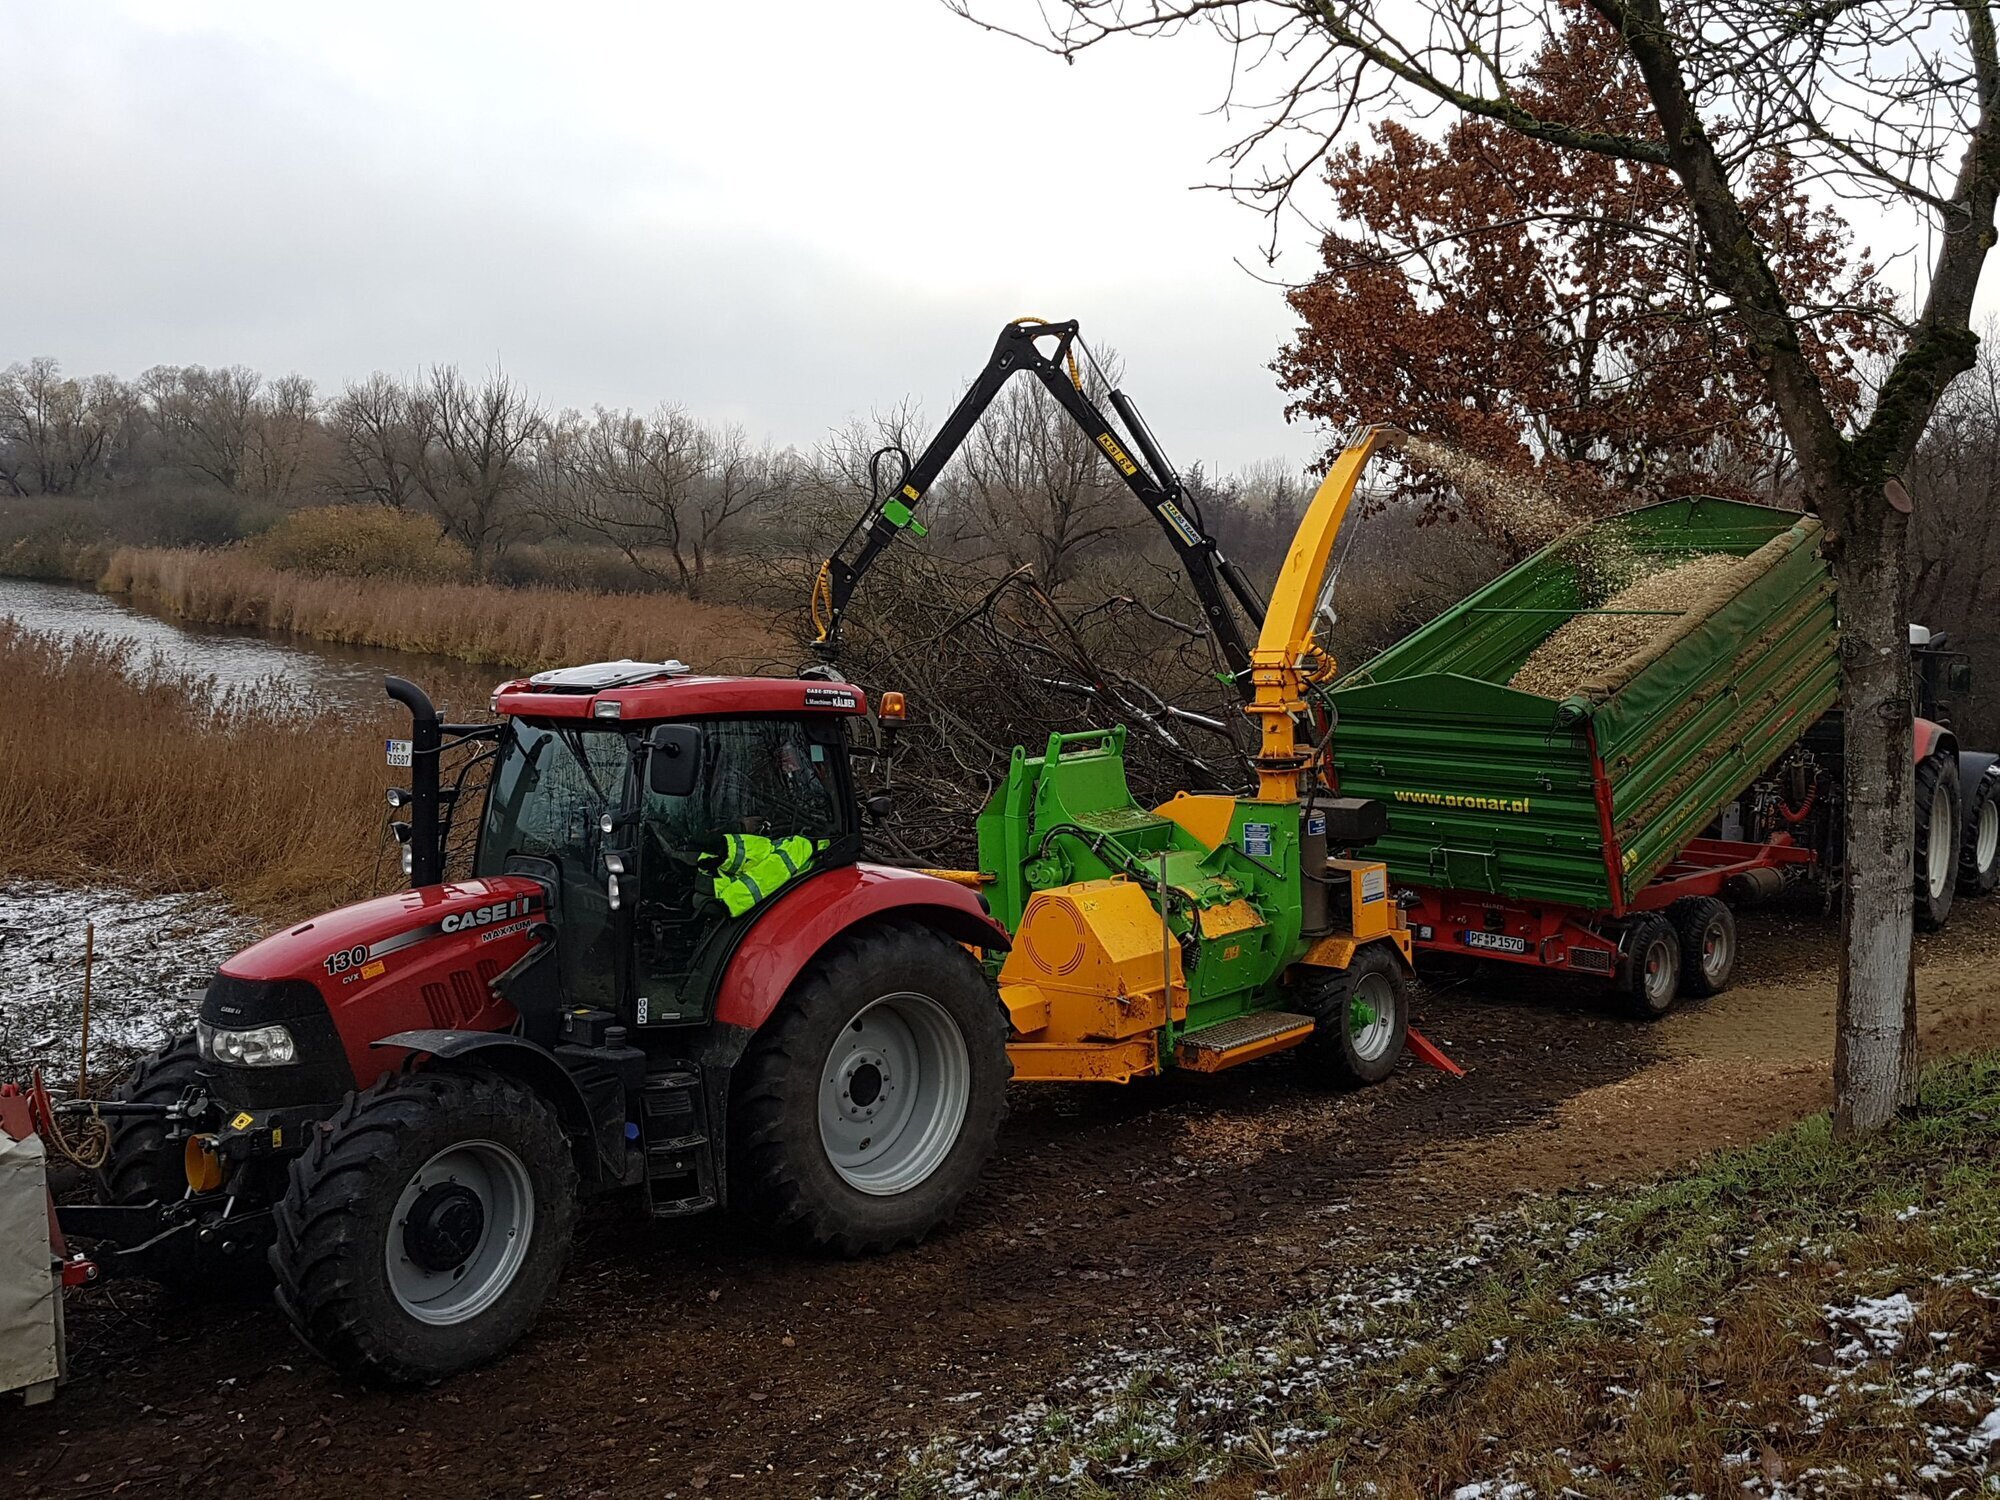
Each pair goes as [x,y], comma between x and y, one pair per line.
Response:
[796,924]
[534,1066]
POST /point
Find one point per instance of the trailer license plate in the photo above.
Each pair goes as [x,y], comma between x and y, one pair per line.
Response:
[1494,942]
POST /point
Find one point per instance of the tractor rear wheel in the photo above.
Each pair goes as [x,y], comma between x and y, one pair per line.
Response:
[1979,849]
[1707,931]
[141,1165]
[1937,847]
[1364,1018]
[868,1105]
[1650,980]
[425,1226]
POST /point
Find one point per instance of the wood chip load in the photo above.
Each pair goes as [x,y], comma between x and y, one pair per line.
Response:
[1595,645]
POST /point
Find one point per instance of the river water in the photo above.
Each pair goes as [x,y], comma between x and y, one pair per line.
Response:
[346,676]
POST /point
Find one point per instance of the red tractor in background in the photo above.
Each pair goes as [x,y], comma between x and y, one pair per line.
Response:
[397,1104]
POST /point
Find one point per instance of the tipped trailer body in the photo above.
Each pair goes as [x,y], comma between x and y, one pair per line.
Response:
[1604,832]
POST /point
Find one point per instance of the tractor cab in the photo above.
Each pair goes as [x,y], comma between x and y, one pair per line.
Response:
[661,807]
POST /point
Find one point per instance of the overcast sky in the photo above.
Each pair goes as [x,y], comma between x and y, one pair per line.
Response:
[782,213]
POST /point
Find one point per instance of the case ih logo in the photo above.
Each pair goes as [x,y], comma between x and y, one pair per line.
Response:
[480,916]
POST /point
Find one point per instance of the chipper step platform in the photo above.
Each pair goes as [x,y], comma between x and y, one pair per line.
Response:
[1259,1034]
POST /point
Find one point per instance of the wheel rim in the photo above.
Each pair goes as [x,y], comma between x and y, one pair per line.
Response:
[1940,846]
[460,1232]
[1717,949]
[1371,1017]
[893,1094]
[1662,971]
[1988,844]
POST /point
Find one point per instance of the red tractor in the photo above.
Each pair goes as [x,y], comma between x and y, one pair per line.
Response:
[669,975]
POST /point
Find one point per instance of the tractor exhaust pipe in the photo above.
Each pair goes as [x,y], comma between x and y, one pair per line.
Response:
[426,735]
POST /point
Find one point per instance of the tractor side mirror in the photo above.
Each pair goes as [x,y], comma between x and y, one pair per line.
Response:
[879,806]
[674,766]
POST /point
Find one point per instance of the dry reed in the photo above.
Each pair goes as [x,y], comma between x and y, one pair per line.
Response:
[135,772]
[528,629]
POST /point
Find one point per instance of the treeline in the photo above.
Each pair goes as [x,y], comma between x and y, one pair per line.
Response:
[192,455]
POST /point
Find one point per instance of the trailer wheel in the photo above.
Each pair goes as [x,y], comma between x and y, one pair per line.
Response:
[1364,1018]
[1707,930]
[142,1166]
[425,1226]
[1650,979]
[1937,844]
[1979,849]
[867,1106]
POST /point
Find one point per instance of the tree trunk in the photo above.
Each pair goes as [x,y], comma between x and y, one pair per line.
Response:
[1874,1060]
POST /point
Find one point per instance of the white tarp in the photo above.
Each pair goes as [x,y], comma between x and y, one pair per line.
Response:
[30,1298]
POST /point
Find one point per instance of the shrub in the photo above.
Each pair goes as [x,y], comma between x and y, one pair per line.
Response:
[355,541]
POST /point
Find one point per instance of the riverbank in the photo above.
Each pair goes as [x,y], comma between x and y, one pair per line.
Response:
[130,771]
[525,629]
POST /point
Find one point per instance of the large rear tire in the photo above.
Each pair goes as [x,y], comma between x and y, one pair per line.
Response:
[1364,1018]
[1649,979]
[425,1226]
[1937,844]
[1707,930]
[867,1106]
[142,1165]
[1979,844]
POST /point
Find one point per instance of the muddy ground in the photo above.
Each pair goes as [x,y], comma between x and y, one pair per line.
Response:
[690,1360]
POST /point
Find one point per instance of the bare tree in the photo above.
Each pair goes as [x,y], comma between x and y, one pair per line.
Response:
[664,486]
[283,438]
[56,434]
[377,450]
[476,445]
[205,417]
[1037,488]
[1889,101]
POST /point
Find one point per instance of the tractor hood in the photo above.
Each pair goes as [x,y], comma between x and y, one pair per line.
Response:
[355,937]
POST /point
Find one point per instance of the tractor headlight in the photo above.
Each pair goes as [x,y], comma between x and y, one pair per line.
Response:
[254,1047]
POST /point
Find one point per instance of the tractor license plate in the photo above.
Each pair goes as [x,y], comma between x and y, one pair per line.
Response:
[1494,942]
[399,752]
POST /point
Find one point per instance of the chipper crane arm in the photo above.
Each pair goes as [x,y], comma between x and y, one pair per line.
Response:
[1147,474]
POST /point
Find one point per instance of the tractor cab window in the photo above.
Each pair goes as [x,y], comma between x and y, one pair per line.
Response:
[550,786]
[767,804]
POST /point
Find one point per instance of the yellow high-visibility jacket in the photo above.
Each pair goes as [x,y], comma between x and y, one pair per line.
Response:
[754,867]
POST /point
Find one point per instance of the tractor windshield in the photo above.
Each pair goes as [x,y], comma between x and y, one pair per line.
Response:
[550,787]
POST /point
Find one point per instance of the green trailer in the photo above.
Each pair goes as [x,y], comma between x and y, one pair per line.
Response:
[1569,832]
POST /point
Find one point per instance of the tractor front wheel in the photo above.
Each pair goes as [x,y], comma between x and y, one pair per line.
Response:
[425,1226]
[867,1106]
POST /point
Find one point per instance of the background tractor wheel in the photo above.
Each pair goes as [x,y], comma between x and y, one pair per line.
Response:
[1707,930]
[1979,844]
[867,1106]
[1364,1018]
[142,1166]
[1937,866]
[422,1231]
[1650,979]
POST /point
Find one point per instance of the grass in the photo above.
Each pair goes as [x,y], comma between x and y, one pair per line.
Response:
[1739,1329]
[528,629]
[123,771]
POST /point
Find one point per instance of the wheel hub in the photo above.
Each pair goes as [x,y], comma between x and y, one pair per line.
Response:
[444,1226]
[864,1084]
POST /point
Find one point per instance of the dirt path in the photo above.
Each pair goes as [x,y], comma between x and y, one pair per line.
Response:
[686,1360]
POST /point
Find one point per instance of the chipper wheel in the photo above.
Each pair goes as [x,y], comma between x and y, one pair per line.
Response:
[867,1106]
[1364,1018]
[1938,831]
[1649,980]
[142,1165]
[423,1229]
[1707,931]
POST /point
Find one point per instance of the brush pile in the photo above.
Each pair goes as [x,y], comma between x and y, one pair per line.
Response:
[1593,645]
